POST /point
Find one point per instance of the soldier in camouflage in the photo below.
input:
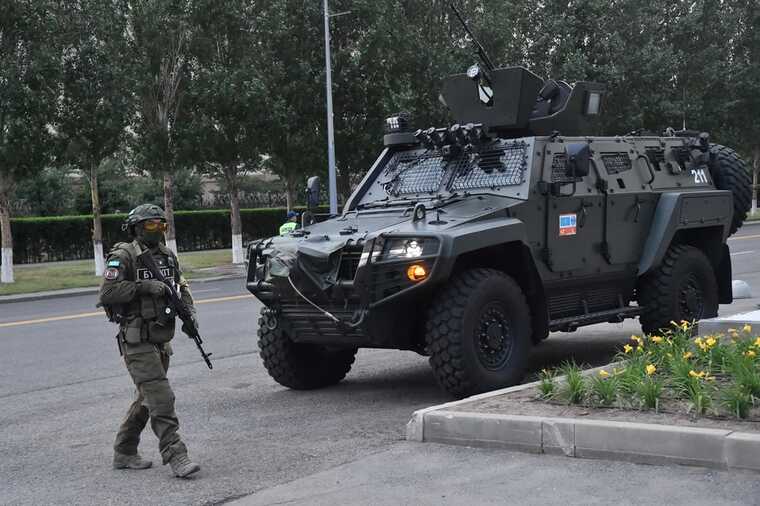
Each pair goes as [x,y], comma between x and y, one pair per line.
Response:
[139,304]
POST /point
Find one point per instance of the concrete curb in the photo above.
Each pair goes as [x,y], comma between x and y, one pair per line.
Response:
[75,292]
[583,438]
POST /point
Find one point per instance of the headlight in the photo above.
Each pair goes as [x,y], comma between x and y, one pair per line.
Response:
[404,248]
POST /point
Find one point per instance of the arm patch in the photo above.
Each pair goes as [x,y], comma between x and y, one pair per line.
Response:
[111,273]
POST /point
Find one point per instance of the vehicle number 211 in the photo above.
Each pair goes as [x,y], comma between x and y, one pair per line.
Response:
[699,176]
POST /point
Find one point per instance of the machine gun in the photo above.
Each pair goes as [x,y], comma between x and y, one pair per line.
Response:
[478,46]
[188,324]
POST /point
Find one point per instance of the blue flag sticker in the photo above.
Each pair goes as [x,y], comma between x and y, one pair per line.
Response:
[567,224]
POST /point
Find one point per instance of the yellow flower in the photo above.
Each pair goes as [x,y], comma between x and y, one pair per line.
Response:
[711,341]
[639,348]
[685,325]
[656,339]
[750,354]
[651,369]
[698,341]
[757,342]
[637,339]
[687,355]
[603,373]
[695,374]
[747,328]
[628,348]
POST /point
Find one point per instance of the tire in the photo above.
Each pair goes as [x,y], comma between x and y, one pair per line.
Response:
[457,332]
[730,173]
[683,287]
[301,366]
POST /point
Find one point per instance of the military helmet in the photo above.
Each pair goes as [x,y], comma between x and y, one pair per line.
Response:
[142,213]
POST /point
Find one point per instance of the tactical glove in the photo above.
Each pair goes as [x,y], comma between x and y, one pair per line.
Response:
[186,329]
[151,287]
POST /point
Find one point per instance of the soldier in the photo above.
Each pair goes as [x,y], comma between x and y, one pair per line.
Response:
[139,304]
[291,224]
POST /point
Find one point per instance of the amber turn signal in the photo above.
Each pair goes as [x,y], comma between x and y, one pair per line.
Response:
[416,272]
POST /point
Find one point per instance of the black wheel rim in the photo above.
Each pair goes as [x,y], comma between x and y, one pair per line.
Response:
[493,337]
[691,299]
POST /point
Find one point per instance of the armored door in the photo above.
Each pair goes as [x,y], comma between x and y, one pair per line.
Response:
[575,217]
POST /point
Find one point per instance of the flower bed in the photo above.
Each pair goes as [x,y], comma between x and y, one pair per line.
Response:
[712,376]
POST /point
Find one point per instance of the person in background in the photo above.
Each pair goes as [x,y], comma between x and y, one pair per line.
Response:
[291,224]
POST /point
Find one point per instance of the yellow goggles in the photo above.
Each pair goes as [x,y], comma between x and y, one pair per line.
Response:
[154,226]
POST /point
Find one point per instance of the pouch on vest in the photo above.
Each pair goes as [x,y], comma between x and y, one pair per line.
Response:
[133,331]
[159,333]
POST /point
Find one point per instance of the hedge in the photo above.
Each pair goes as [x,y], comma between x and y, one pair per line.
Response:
[70,237]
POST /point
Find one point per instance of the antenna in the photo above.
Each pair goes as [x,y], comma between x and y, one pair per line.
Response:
[683,108]
[481,51]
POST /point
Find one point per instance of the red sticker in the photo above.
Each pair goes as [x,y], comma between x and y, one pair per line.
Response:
[111,273]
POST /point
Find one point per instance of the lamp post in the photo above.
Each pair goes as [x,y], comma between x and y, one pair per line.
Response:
[333,186]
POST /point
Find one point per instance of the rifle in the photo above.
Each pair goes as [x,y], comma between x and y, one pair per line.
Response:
[478,46]
[184,313]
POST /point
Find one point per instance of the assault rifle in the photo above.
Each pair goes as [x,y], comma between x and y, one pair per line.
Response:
[188,323]
[478,46]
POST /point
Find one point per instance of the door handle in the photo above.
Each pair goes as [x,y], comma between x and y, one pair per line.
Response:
[584,213]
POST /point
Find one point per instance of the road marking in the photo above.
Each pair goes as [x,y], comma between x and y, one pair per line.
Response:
[100,313]
[741,253]
[744,237]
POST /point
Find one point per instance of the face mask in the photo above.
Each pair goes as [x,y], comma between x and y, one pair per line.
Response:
[152,238]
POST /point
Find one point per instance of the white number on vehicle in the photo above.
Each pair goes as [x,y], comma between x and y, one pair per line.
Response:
[699,176]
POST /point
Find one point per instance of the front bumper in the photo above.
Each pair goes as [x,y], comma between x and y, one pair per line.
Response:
[377,305]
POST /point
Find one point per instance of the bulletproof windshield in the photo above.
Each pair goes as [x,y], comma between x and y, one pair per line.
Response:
[496,167]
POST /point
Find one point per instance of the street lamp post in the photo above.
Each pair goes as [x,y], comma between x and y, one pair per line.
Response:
[333,187]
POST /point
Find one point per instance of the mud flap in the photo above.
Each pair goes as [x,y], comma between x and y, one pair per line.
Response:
[725,292]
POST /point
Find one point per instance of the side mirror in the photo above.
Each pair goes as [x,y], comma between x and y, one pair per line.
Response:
[312,192]
[578,158]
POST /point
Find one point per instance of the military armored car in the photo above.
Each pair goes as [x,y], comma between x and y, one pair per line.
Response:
[471,243]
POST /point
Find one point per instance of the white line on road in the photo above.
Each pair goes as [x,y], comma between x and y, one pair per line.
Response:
[741,253]
[100,313]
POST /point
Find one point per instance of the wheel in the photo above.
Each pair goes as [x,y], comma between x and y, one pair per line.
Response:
[730,173]
[301,366]
[478,333]
[683,287]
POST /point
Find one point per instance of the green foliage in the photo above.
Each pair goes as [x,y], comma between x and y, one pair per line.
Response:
[68,237]
[604,389]
[547,385]
[737,400]
[649,390]
[573,390]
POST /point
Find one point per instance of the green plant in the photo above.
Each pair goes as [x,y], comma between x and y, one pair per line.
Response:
[649,391]
[547,386]
[603,388]
[737,400]
[698,395]
[574,389]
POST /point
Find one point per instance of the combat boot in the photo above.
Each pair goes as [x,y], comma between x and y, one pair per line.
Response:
[182,466]
[121,461]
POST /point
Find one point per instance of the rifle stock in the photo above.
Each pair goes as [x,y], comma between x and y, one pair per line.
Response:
[183,311]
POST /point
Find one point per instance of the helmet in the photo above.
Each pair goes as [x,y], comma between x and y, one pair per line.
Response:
[292,214]
[142,213]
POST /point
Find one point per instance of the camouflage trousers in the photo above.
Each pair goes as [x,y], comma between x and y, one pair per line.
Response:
[154,401]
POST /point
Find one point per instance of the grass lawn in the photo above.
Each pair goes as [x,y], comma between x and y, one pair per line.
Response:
[80,274]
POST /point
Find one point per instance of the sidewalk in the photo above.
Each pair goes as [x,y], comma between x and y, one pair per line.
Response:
[218,273]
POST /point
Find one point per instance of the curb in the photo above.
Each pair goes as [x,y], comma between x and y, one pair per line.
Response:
[75,292]
[574,437]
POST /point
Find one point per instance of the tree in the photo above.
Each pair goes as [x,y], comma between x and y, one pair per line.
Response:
[225,99]
[28,77]
[96,100]
[161,37]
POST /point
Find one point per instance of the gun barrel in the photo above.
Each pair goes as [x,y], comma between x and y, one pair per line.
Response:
[481,50]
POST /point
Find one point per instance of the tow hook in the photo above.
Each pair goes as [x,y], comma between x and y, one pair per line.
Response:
[270,319]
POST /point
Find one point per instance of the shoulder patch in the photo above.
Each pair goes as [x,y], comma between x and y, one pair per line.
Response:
[114,263]
[111,273]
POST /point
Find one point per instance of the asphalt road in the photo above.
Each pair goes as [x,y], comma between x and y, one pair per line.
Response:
[64,391]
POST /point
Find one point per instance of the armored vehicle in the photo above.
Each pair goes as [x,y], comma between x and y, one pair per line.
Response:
[471,243]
